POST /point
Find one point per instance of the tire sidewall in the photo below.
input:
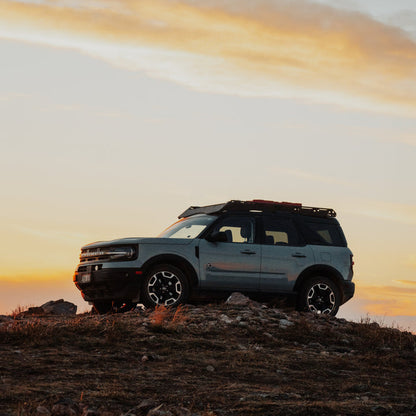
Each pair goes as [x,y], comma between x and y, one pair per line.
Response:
[306,286]
[145,297]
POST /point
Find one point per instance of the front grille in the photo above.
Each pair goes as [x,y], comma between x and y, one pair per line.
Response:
[96,258]
[94,254]
[117,252]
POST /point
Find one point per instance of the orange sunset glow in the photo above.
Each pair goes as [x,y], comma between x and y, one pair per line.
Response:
[118,115]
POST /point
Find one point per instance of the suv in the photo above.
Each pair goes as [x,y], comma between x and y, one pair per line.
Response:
[260,248]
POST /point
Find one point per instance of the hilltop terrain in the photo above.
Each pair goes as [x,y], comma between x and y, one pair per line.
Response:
[204,360]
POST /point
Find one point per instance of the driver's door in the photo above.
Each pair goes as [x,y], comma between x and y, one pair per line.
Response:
[234,264]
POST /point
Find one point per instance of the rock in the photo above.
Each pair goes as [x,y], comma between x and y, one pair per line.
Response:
[183,411]
[146,405]
[315,345]
[42,411]
[65,407]
[237,298]
[63,410]
[226,319]
[161,410]
[90,412]
[59,307]
[143,408]
[210,368]
[36,310]
[284,323]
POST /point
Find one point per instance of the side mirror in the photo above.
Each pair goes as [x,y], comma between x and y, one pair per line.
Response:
[217,237]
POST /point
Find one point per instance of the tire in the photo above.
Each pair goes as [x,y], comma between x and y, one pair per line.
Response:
[164,285]
[103,306]
[319,295]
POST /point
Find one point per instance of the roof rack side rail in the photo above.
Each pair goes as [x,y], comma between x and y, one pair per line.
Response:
[259,205]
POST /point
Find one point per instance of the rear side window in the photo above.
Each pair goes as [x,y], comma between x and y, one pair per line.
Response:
[324,233]
[279,231]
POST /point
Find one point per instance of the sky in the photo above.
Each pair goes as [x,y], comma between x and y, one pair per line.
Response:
[115,116]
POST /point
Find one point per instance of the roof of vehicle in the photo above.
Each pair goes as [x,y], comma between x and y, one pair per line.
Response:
[259,205]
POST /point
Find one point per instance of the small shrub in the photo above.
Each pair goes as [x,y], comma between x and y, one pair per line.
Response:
[165,319]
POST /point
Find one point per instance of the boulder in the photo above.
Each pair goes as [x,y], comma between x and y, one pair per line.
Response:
[59,307]
[237,298]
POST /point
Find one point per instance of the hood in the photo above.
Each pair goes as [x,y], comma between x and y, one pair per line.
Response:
[140,240]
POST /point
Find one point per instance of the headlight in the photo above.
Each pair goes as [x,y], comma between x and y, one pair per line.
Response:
[111,253]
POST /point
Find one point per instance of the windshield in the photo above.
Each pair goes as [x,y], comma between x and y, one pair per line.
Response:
[189,227]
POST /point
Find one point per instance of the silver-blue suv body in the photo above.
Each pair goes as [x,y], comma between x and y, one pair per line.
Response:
[260,248]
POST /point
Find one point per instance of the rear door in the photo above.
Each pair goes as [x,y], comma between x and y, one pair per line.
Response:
[284,254]
[235,264]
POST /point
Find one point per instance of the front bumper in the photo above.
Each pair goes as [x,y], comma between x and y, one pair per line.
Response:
[108,284]
[348,289]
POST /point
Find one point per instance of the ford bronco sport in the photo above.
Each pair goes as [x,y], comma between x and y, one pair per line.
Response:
[260,248]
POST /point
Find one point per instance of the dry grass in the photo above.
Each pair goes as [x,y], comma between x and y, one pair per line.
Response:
[193,357]
[19,309]
[166,319]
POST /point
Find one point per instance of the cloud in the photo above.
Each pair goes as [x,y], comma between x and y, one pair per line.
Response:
[48,234]
[312,177]
[387,300]
[276,48]
[390,211]
[406,282]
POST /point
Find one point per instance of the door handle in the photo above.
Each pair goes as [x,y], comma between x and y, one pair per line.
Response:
[247,252]
[299,255]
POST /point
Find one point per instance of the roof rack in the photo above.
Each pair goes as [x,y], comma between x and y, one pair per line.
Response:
[259,205]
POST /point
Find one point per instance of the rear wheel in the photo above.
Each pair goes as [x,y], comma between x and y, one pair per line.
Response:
[165,285]
[319,295]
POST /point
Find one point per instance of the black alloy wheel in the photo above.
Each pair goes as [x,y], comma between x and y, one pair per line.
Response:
[165,285]
[320,295]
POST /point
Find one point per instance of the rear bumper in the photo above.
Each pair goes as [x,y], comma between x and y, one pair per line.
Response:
[108,284]
[348,289]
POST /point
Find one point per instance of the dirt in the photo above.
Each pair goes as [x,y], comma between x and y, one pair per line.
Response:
[204,360]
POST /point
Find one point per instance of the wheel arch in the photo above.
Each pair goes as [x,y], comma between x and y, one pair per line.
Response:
[173,260]
[320,270]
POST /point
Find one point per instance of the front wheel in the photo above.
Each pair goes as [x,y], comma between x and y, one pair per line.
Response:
[319,295]
[165,285]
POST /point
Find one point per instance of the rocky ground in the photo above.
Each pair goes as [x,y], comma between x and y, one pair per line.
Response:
[227,359]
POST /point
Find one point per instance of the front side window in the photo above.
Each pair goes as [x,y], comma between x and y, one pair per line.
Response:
[280,231]
[238,229]
[189,227]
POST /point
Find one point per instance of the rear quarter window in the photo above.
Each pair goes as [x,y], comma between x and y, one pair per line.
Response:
[324,233]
